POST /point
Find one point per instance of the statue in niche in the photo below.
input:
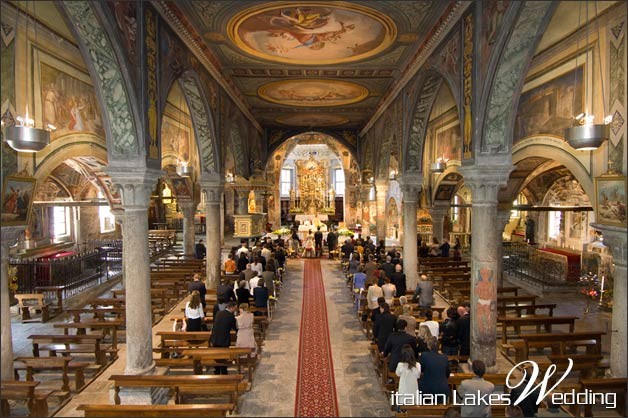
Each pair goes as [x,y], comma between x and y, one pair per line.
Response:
[252,206]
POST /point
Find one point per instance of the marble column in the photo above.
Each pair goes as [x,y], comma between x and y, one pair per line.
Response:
[10,235]
[503,216]
[410,187]
[438,214]
[135,188]
[118,213]
[615,239]
[188,208]
[381,191]
[212,188]
[484,182]
[365,191]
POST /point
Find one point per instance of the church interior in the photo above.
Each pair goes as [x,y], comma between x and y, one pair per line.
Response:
[151,149]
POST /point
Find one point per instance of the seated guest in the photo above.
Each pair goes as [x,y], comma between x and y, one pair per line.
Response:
[431,324]
[476,387]
[243,260]
[260,295]
[383,326]
[399,280]
[395,342]
[407,316]
[200,250]
[449,333]
[224,292]
[242,293]
[389,290]
[199,286]
[435,368]
[194,312]
[230,265]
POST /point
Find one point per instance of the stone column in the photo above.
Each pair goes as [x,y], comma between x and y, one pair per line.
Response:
[438,214]
[484,182]
[10,235]
[381,191]
[212,187]
[135,187]
[615,239]
[188,208]
[365,191]
[118,213]
[410,187]
[503,216]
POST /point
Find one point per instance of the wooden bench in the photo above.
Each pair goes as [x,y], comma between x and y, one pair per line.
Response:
[73,344]
[59,290]
[28,301]
[65,365]
[587,365]
[208,385]
[36,399]
[520,310]
[97,313]
[423,410]
[558,342]
[109,327]
[205,410]
[508,289]
[614,385]
[176,341]
[516,300]
[537,321]
[201,356]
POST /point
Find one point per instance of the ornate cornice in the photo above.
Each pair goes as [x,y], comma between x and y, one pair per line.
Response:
[171,14]
[445,24]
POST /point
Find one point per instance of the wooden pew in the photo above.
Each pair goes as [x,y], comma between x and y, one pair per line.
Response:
[36,399]
[201,356]
[65,365]
[587,365]
[97,313]
[26,301]
[225,384]
[423,410]
[109,327]
[508,289]
[520,310]
[516,300]
[592,340]
[538,321]
[177,341]
[442,261]
[195,410]
[72,344]
[615,385]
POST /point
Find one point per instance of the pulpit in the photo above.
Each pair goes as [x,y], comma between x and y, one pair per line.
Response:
[249,226]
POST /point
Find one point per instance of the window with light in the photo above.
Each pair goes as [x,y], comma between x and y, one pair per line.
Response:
[286,181]
[339,181]
[60,220]
[107,220]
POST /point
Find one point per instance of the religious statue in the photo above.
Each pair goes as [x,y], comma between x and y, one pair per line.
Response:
[252,207]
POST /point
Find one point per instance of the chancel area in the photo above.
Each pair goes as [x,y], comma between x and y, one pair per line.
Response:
[312,208]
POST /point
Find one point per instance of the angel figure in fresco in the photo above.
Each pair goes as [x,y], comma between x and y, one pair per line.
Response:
[485,308]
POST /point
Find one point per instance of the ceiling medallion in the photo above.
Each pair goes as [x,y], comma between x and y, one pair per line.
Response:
[312,119]
[313,92]
[311,33]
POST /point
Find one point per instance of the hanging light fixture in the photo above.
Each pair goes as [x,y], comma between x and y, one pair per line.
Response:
[585,134]
[24,136]
[184,169]
[438,166]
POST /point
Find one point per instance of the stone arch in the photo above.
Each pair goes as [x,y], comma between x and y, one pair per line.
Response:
[505,89]
[429,86]
[55,158]
[202,122]
[450,176]
[284,135]
[387,134]
[558,150]
[123,127]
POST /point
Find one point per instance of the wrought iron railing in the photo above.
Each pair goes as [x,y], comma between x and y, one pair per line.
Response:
[524,262]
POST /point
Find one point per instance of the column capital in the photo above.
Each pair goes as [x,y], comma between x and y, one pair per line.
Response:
[439,210]
[411,185]
[212,190]
[485,182]
[503,216]
[615,239]
[186,204]
[135,185]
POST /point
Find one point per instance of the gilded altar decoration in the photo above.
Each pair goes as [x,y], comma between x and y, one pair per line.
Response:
[313,194]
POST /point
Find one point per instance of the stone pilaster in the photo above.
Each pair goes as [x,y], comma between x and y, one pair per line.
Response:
[410,187]
[213,189]
[381,191]
[615,239]
[135,186]
[365,191]
[438,214]
[503,216]
[10,235]
[188,208]
[118,213]
[484,182]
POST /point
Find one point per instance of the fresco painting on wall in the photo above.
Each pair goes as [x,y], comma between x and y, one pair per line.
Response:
[449,142]
[313,92]
[549,106]
[611,200]
[577,224]
[180,187]
[311,33]
[445,192]
[17,198]
[175,139]
[68,103]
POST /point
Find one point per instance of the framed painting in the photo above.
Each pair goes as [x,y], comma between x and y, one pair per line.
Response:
[176,134]
[448,145]
[17,199]
[610,202]
[180,187]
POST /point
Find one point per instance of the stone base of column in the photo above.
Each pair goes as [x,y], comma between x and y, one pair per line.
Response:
[147,371]
[143,396]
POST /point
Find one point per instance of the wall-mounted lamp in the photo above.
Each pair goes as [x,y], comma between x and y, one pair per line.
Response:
[229,178]
[184,169]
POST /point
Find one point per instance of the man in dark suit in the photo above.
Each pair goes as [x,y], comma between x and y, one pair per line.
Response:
[388,267]
[399,280]
[224,292]
[464,331]
[318,242]
[224,322]
[200,250]
[395,342]
[197,284]
[332,242]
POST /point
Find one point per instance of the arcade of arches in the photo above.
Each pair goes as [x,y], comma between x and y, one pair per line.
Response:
[228,121]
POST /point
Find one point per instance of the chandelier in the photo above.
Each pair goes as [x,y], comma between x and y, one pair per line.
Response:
[585,134]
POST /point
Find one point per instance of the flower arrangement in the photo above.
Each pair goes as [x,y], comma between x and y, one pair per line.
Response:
[590,288]
[344,232]
[12,274]
[281,231]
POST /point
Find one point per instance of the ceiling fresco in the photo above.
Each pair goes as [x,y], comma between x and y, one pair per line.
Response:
[305,64]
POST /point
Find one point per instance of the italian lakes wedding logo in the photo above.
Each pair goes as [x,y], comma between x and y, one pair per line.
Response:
[531,388]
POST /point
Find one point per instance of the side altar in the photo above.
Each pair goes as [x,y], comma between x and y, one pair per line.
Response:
[251,225]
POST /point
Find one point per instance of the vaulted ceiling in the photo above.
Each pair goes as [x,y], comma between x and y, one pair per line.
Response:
[306,64]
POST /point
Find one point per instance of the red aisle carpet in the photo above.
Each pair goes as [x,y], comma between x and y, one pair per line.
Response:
[316,387]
